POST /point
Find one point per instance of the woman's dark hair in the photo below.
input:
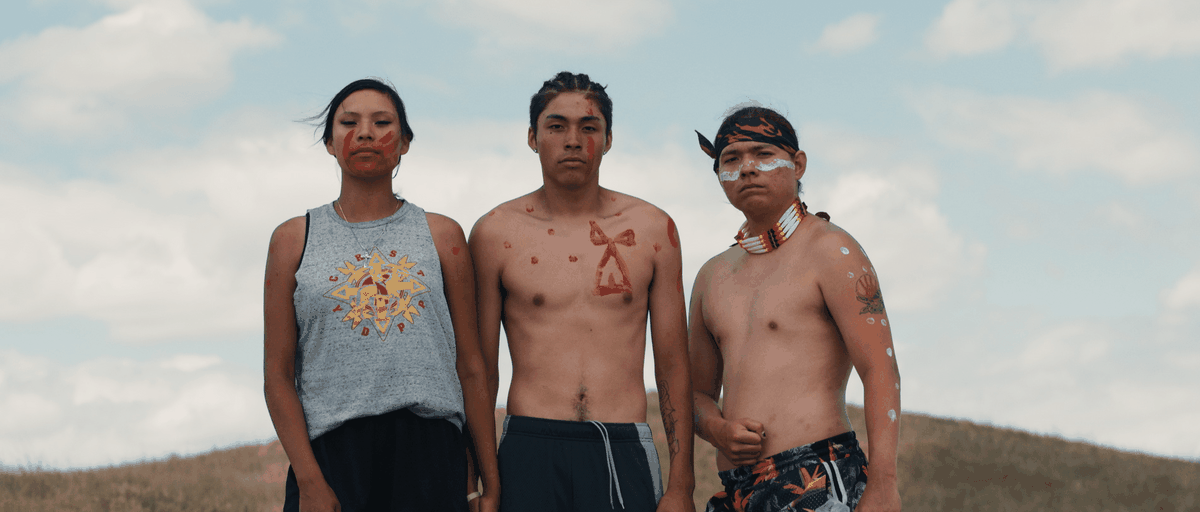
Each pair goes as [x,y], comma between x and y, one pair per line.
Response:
[325,118]
[565,81]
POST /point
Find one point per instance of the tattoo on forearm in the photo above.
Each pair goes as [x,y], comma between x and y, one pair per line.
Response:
[868,293]
[668,416]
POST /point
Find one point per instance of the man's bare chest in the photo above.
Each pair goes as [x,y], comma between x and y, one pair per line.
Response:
[574,261]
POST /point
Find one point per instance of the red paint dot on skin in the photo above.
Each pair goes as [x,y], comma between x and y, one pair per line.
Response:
[529,208]
[421,272]
[421,303]
[533,260]
[550,231]
[493,212]
[572,259]
[613,199]
[507,245]
[268,282]
[454,250]
[657,247]
[618,214]
[671,232]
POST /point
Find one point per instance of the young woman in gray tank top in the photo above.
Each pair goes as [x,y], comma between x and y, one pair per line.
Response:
[372,358]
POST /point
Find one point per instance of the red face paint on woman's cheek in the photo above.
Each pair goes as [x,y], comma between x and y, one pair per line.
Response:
[346,145]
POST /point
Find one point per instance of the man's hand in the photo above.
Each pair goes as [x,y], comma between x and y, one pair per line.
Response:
[879,498]
[675,502]
[740,440]
[319,497]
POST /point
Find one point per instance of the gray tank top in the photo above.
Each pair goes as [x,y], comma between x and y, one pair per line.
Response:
[373,324]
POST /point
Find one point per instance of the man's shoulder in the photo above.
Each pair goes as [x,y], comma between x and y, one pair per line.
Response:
[501,218]
[828,243]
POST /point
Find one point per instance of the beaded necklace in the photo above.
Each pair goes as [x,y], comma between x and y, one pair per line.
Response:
[775,236]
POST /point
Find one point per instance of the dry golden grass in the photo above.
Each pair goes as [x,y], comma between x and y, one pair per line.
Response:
[945,465]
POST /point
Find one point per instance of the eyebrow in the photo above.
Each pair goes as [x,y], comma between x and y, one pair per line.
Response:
[583,119]
[750,149]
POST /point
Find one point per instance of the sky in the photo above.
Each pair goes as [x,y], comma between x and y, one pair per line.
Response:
[1024,174]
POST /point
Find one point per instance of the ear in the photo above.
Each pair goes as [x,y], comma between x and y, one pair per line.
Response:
[532,140]
[329,148]
[404,145]
[801,161]
[607,141]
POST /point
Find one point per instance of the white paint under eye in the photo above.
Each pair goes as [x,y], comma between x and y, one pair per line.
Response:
[777,163]
[871,320]
[889,351]
[850,275]
[883,321]
[729,175]
[892,414]
[845,250]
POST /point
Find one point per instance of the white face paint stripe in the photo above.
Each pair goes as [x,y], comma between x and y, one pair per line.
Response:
[729,175]
[777,163]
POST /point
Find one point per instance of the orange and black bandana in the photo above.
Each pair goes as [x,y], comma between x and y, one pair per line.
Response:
[751,123]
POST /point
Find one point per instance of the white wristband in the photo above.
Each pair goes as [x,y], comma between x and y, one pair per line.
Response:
[474,495]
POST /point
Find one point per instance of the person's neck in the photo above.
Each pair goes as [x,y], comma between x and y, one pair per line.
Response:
[572,202]
[759,221]
[364,202]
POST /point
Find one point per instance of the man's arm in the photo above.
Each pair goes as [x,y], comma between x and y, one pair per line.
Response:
[851,291]
[668,333]
[739,441]
[489,296]
[458,277]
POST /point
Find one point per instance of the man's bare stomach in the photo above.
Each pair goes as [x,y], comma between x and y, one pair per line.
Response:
[790,418]
[576,377]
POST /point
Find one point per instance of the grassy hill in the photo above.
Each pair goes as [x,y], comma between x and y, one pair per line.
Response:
[945,465]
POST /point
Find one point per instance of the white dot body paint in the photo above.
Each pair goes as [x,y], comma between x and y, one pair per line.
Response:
[777,163]
[883,321]
[850,275]
[889,351]
[871,320]
[892,414]
[897,385]
[845,250]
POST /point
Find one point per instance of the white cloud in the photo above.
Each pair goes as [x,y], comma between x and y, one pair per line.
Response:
[1185,294]
[968,27]
[1097,130]
[109,411]
[854,33]
[890,206]
[173,246]
[1070,33]
[557,25]
[158,56]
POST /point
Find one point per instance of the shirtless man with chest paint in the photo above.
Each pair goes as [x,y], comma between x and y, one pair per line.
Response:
[779,320]
[571,271]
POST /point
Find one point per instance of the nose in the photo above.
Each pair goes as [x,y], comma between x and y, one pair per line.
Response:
[366,131]
[574,140]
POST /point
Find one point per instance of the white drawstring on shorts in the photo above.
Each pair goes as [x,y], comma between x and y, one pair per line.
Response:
[612,466]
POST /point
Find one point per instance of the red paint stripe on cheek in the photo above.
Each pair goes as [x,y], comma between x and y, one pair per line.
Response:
[591,147]
[346,145]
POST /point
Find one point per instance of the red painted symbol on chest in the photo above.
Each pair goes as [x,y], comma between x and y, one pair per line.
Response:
[529,208]
[550,231]
[611,285]
[507,245]
[533,260]
[572,259]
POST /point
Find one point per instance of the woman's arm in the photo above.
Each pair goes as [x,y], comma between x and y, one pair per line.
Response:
[458,275]
[279,365]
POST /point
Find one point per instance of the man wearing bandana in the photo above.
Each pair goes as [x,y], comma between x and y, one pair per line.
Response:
[777,321]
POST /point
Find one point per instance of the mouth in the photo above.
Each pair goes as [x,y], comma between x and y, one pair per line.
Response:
[571,160]
[752,186]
